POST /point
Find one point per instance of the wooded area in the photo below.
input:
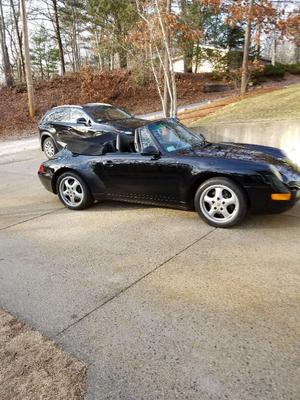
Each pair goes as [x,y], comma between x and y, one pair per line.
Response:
[142,36]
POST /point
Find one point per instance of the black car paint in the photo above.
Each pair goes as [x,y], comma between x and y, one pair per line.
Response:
[173,178]
[61,132]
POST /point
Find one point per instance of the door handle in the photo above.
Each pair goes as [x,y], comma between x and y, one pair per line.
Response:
[108,163]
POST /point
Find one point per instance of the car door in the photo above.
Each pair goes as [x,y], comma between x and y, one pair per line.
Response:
[80,123]
[140,177]
[60,124]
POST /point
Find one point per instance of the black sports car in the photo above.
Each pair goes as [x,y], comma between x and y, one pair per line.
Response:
[60,124]
[163,163]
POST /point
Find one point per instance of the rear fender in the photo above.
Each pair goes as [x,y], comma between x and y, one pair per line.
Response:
[95,184]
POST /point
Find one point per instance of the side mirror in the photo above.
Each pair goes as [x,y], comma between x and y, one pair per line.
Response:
[81,121]
[150,151]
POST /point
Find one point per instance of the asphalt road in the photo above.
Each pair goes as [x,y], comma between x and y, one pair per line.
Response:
[159,304]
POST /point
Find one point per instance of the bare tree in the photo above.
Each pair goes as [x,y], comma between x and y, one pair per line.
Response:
[5,56]
[159,47]
[58,36]
[246,48]
[15,14]
[27,61]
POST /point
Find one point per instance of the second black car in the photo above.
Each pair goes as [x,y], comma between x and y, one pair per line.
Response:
[60,124]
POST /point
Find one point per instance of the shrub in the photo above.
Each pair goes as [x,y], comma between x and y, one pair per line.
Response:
[292,68]
[274,71]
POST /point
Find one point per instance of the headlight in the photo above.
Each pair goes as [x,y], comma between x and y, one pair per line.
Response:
[276,172]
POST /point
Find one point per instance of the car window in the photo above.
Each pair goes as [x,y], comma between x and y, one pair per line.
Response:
[145,139]
[61,114]
[101,113]
[76,113]
[50,116]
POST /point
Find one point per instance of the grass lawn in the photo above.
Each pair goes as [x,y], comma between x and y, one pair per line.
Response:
[32,367]
[277,105]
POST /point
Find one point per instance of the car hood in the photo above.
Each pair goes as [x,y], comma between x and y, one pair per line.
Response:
[241,151]
[253,153]
[129,124]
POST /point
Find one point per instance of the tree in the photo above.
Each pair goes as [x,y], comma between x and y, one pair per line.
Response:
[289,26]
[246,48]
[27,61]
[254,13]
[56,23]
[153,34]
[73,18]
[5,56]
[15,14]
[44,55]
[115,18]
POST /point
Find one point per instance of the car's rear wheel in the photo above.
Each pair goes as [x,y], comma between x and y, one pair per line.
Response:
[220,202]
[73,192]
[49,147]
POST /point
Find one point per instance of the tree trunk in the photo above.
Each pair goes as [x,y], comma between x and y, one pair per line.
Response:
[167,64]
[188,57]
[122,58]
[246,49]
[19,36]
[274,48]
[167,97]
[5,57]
[58,38]
[74,39]
[197,57]
[257,41]
[27,61]
[188,48]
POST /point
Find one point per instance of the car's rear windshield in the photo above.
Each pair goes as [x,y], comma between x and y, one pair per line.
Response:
[101,113]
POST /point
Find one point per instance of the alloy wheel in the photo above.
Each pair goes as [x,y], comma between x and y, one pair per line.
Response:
[49,148]
[219,203]
[71,191]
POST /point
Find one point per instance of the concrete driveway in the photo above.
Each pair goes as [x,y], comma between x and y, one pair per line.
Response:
[158,304]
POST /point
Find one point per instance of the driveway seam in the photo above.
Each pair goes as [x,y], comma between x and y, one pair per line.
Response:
[134,283]
[18,161]
[32,218]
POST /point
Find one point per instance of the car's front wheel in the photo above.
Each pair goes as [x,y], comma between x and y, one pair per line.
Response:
[49,147]
[220,202]
[73,192]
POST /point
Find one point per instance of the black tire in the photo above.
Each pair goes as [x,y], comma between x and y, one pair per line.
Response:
[80,191]
[220,202]
[49,147]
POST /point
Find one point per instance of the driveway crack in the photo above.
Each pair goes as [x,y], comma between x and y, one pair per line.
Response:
[134,283]
[32,218]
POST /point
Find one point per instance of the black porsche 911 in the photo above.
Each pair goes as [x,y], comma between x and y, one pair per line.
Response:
[62,123]
[163,163]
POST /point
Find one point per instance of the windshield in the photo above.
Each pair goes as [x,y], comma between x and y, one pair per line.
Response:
[173,136]
[102,113]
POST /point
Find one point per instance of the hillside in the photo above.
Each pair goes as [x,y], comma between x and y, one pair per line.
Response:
[114,87]
[280,104]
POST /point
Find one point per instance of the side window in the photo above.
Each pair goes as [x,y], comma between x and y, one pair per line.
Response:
[145,139]
[63,115]
[77,113]
[50,117]
[60,114]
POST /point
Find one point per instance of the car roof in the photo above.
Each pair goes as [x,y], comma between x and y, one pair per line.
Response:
[97,104]
[80,106]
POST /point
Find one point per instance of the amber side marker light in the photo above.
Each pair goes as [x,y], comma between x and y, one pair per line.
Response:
[281,196]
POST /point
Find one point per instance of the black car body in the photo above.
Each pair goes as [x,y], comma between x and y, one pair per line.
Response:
[188,172]
[60,124]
